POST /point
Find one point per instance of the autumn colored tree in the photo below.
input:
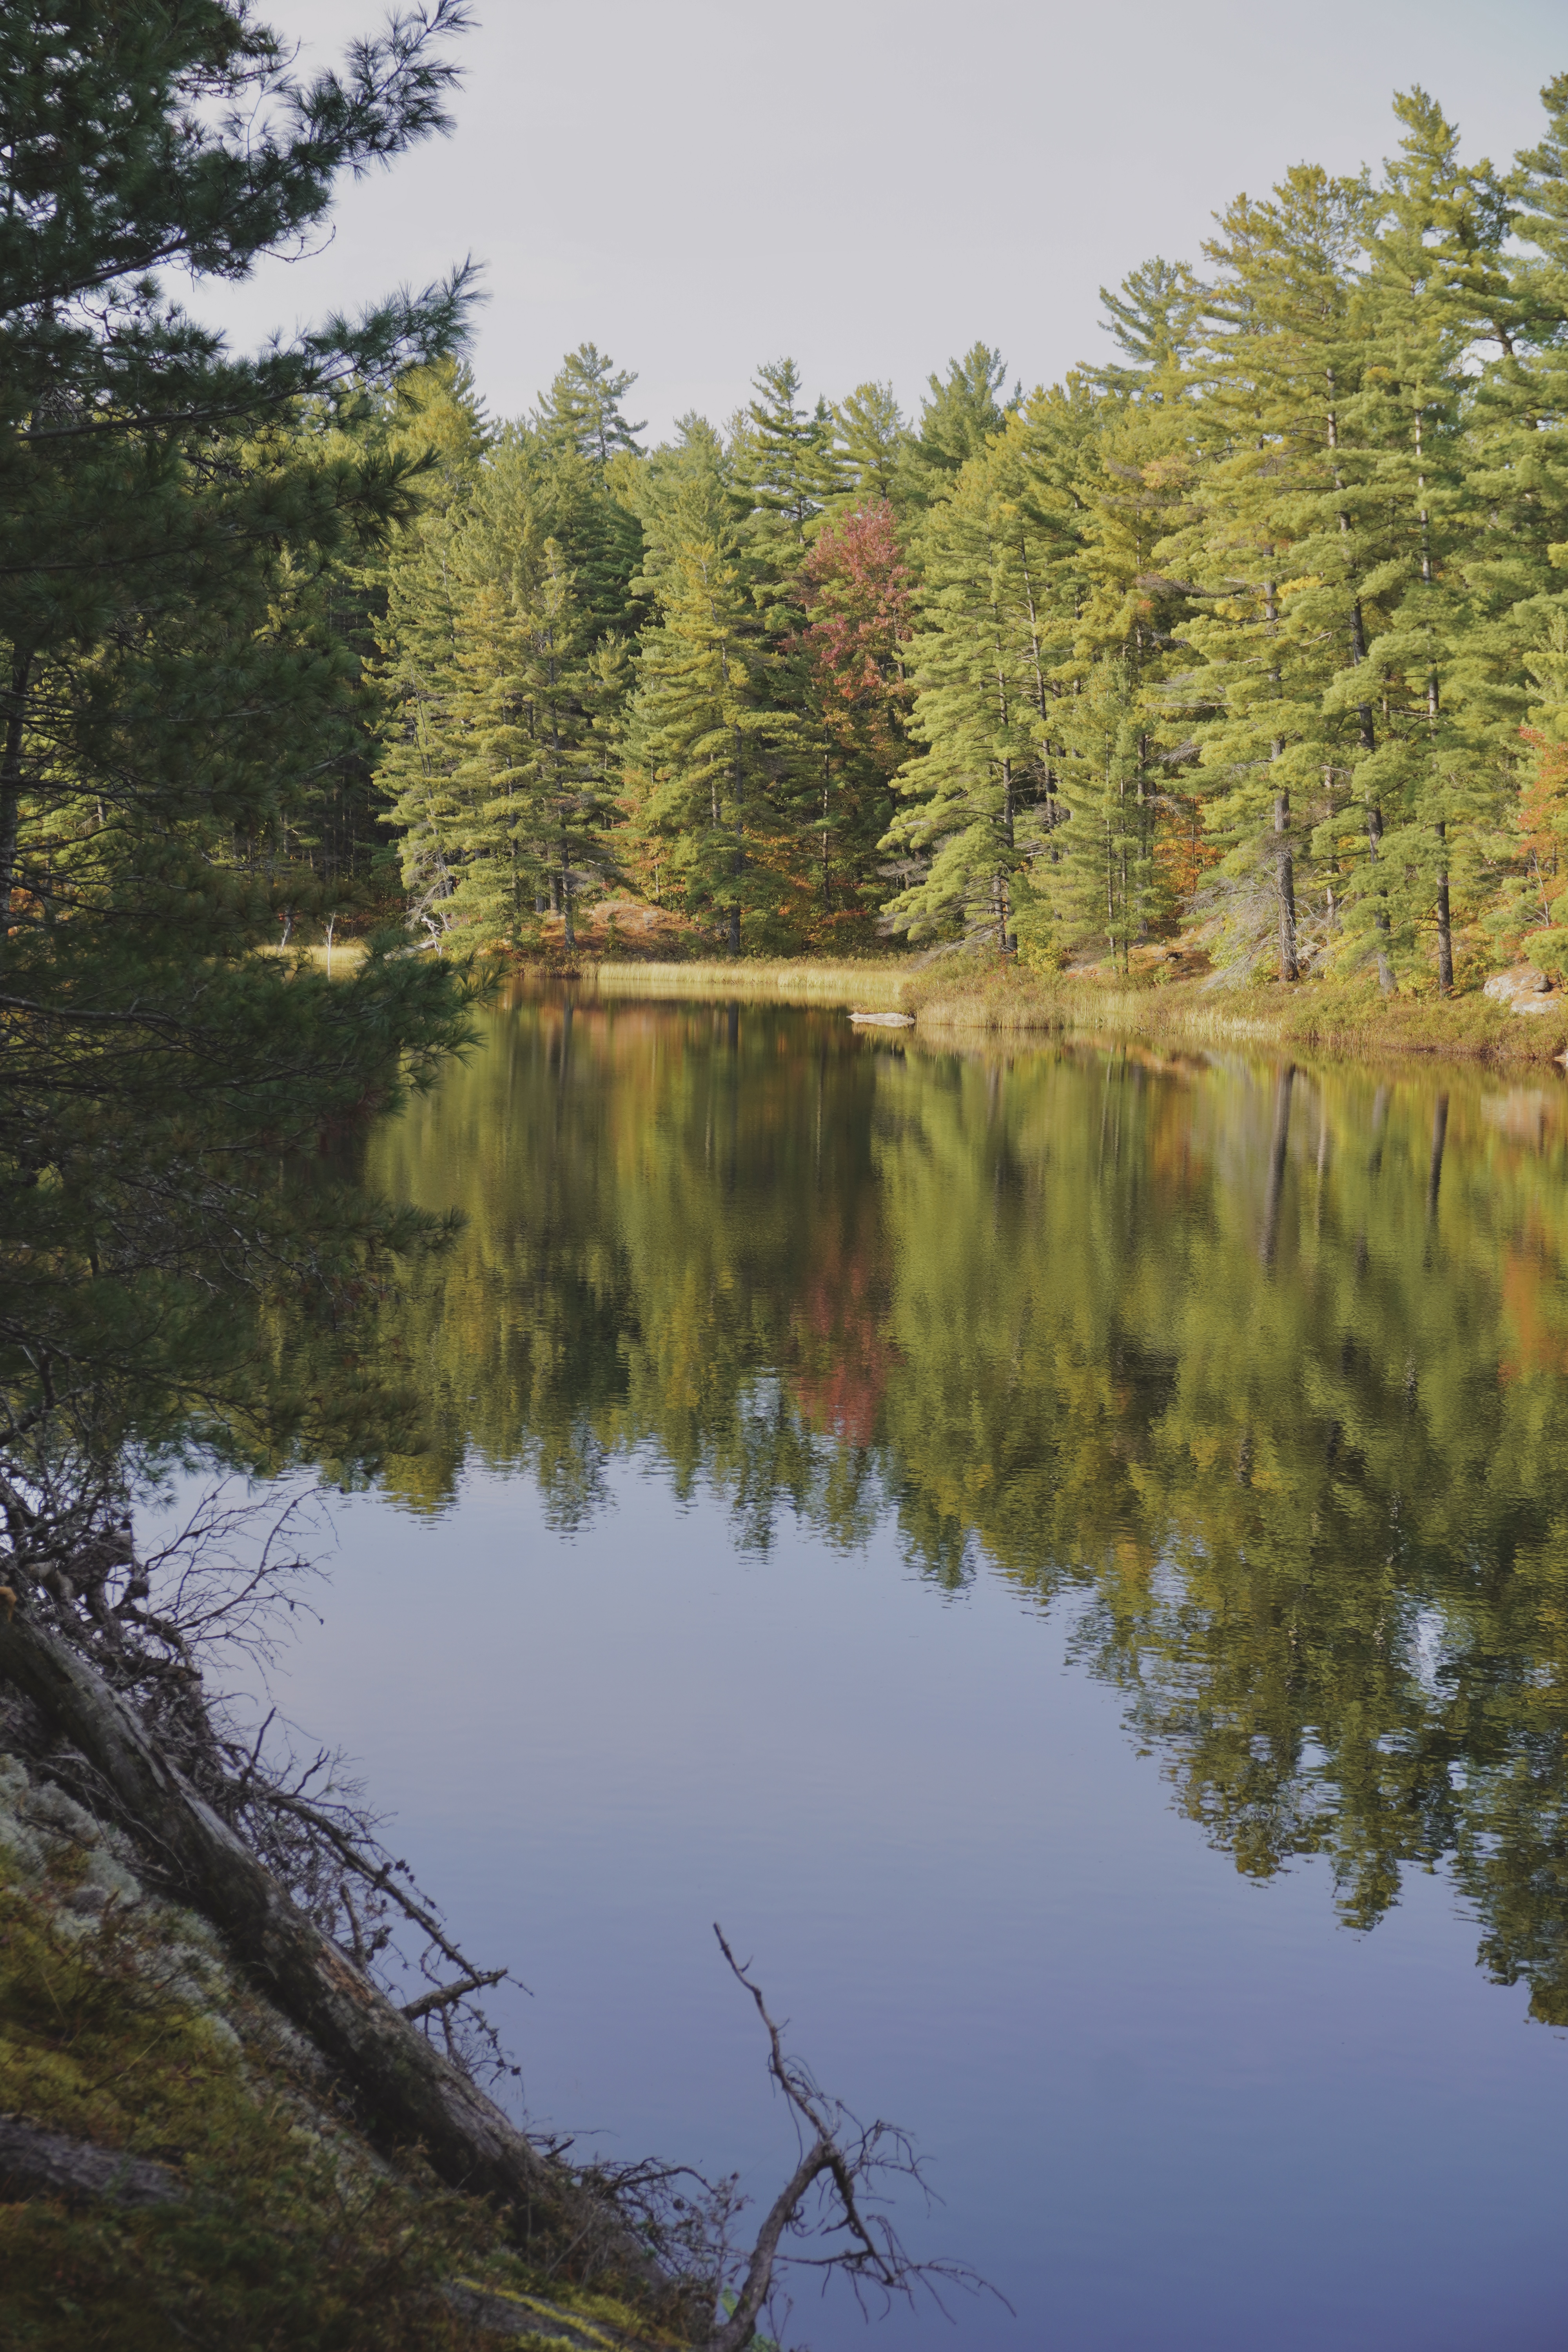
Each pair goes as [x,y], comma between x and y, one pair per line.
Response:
[859,592]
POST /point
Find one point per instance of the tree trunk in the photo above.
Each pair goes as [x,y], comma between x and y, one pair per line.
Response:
[1444,921]
[738,856]
[1285,871]
[567,898]
[11,783]
[739,2329]
[1384,968]
[404,2081]
[1278,1145]
[1435,1169]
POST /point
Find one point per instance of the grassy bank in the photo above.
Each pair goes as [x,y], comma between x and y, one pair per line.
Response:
[958,1000]
[1343,1017]
[950,997]
[876,985]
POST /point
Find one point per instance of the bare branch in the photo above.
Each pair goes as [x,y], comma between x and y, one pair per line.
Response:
[850,2160]
[443,1996]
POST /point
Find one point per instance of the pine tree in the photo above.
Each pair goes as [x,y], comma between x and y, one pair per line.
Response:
[1155,317]
[507,665]
[1101,881]
[992,632]
[873,450]
[785,460]
[417,637]
[696,731]
[957,418]
[1113,459]
[1435,771]
[1287,552]
[584,406]
[172,688]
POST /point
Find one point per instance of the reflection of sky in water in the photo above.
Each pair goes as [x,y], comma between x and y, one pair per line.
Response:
[1165,2107]
[1425,1648]
[1258,1398]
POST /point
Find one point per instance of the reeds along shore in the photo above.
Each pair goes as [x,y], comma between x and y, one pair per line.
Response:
[1346,1017]
[948,995]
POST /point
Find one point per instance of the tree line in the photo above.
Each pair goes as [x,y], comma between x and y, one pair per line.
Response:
[1257,633]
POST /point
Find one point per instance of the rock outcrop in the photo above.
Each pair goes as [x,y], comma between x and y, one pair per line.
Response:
[1523,989]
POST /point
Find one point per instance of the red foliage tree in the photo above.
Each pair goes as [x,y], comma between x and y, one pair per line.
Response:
[859,595]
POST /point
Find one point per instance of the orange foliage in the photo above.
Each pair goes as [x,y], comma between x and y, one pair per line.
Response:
[839,1330]
[1543,835]
[1183,850]
[1526,1297]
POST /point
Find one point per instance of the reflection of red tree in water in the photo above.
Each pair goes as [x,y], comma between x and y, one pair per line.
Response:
[843,1356]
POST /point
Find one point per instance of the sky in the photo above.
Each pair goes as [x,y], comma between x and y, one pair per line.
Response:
[699,186]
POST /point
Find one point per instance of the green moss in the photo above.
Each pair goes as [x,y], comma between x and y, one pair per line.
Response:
[290,2237]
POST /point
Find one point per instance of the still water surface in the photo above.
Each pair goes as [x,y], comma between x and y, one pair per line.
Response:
[1067,1557]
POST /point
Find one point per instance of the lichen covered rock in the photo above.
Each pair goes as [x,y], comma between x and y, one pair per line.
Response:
[1523,989]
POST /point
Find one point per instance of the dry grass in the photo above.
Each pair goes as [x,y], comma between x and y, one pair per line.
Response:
[952,997]
[337,961]
[1344,1017]
[1337,1017]
[876,985]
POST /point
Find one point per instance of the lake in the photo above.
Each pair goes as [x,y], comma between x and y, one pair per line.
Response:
[1064,1553]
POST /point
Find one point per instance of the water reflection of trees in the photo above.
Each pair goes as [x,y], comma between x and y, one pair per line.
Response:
[1264,1367]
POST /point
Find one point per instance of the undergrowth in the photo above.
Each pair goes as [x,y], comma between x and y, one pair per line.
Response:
[1350,1017]
[1332,1016]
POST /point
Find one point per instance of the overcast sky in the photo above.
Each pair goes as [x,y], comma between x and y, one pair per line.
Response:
[699,185]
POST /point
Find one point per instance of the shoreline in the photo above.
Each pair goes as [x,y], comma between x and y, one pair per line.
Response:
[1342,1019]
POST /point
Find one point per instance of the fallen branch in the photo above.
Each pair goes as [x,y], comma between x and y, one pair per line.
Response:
[404,2082]
[850,2157]
[443,1996]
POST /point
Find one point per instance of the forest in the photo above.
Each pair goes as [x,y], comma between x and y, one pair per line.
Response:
[1246,648]
[1250,642]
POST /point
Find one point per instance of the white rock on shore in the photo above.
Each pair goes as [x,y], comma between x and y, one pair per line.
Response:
[1523,989]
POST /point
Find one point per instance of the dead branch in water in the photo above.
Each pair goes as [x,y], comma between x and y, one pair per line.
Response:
[846,2163]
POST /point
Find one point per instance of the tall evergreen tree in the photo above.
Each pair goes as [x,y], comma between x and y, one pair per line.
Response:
[698,734]
[1155,317]
[1288,553]
[584,406]
[170,692]
[785,459]
[873,445]
[992,633]
[958,416]
[503,654]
